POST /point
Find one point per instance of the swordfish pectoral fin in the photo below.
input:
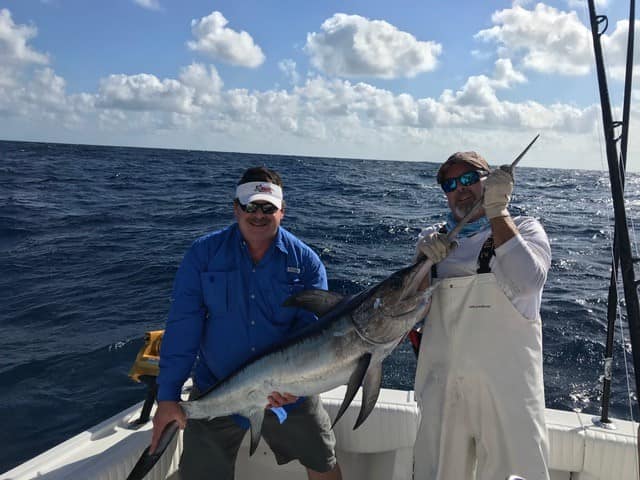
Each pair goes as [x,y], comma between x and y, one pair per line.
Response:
[255,419]
[315,301]
[355,380]
[370,392]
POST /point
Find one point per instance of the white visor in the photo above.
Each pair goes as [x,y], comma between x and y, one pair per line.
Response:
[254,191]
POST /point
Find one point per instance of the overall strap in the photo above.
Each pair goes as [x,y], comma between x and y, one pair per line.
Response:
[434,270]
[487,251]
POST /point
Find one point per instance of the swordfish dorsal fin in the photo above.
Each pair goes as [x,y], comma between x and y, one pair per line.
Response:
[255,418]
[370,392]
[316,301]
[354,384]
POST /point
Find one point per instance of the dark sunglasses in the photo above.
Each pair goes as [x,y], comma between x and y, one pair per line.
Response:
[466,179]
[267,208]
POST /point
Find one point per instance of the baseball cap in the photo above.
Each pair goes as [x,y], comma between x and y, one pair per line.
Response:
[473,159]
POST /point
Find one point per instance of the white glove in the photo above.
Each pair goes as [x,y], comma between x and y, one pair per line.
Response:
[497,192]
[435,246]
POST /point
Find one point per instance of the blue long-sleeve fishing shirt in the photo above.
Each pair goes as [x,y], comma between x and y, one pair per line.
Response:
[226,310]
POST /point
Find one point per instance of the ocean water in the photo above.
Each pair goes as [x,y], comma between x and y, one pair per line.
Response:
[91,237]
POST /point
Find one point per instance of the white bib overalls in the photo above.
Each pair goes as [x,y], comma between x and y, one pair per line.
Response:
[479,386]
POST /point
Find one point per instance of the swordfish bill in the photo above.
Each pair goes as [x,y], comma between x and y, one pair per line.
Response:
[347,346]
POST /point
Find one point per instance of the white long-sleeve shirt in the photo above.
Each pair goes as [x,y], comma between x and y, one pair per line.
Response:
[520,264]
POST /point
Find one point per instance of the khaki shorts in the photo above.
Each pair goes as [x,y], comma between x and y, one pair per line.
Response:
[211,446]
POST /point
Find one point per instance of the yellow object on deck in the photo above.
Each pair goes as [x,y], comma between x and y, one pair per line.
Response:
[148,357]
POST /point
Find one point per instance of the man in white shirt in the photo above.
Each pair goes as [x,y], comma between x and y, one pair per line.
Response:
[479,380]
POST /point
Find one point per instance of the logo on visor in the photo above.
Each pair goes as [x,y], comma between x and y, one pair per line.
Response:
[263,189]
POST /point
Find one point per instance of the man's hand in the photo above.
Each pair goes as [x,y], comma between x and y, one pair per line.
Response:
[435,246]
[497,192]
[166,412]
[277,399]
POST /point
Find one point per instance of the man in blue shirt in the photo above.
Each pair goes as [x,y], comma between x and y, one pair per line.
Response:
[226,310]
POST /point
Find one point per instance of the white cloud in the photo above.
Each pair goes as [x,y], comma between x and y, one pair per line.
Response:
[47,90]
[7,76]
[16,56]
[474,105]
[547,40]
[197,88]
[206,84]
[13,43]
[43,97]
[615,50]
[149,4]
[552,41]
[218,42]
[505,75]
[288,67]
[320,117]
[477,92]
[241,105]
[144,92]
[330,109]
[280,108]
[354,46]
[28,91]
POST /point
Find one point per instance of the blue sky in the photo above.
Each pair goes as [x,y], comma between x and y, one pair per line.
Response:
[408,80]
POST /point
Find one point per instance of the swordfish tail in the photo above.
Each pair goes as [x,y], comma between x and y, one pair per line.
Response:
[148,460]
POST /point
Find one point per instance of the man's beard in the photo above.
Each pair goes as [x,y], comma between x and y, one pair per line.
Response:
[462,209]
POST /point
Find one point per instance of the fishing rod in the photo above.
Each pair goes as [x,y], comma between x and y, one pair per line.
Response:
[616,177]
[412,287]
[612,299]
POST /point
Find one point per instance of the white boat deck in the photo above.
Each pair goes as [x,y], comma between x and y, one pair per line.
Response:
[381,449]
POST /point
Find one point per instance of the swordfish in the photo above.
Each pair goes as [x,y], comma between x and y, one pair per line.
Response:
[347,346]
[355,334]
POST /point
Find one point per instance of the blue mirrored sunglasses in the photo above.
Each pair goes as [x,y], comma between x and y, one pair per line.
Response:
[267,208]
[466,179]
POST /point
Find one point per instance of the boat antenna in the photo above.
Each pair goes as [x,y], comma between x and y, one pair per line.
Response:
[617,165]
